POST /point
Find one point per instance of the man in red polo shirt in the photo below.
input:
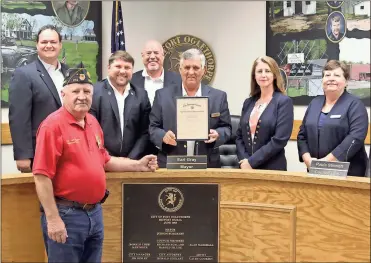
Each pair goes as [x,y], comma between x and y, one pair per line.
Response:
[69,170]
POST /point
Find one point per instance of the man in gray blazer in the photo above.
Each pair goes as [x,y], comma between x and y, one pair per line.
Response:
[34,93]
[162,127]
[153,76]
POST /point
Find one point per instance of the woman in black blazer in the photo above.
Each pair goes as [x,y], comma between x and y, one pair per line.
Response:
[335,125]
[266,119]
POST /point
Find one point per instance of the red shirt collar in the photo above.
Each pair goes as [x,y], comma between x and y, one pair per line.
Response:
[72,120]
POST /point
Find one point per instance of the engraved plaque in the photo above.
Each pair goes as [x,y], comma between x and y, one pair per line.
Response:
[329,168]
[170,222]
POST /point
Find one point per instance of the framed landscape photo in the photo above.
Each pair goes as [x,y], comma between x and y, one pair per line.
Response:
[303,35]
[81,35]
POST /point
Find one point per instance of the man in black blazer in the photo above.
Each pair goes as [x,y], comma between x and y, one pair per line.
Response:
[153,76]
[34,93]
[122,109]
[162,127]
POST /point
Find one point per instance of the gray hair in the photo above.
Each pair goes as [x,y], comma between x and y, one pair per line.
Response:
[193,53]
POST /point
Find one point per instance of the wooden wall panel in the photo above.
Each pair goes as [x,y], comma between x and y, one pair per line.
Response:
[296,128]
[265,216]
[249,233]
[21,235]
[6,139]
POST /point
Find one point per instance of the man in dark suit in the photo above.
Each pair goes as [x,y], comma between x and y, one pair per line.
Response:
[162,127]
[153,76]
[34,93]
[122,109]
[335,35]
[71,13]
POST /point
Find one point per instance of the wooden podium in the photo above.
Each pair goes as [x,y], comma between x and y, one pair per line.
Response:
[265,216]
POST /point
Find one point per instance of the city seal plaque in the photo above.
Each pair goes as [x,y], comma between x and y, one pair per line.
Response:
[175,46]
[170,199]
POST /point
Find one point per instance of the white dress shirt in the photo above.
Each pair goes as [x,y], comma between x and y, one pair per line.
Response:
[120,98]
[56,75]
[191,144]
[151,84]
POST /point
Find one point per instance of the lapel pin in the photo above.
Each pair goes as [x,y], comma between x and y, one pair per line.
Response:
[42,75]
[109,92]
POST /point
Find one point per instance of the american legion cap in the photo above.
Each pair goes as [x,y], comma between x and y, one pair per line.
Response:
[79,74]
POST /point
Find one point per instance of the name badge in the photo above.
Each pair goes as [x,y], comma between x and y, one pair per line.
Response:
[335,116]
[73,141]
[216,114]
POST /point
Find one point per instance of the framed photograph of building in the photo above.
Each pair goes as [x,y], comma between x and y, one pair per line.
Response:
[303,35]
[81,37]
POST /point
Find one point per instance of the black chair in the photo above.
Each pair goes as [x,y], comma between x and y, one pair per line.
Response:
[369,164]
[227,151]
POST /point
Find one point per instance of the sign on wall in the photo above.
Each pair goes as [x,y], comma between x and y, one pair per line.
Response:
[175,46]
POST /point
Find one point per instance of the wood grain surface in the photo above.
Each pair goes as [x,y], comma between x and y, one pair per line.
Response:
[265,216]
[6,138]
[21,235]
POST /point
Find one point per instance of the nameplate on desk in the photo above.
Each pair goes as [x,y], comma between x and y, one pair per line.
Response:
[187,162]
[329,168]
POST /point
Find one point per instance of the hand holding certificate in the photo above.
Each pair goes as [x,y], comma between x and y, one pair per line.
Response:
[193,119]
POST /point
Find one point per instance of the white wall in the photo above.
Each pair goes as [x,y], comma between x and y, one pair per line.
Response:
[364,11]
[288,11]
[224,25]
[235,31]
[309,9]
[7,163]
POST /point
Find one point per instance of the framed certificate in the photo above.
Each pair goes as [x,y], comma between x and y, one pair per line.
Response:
[192,118]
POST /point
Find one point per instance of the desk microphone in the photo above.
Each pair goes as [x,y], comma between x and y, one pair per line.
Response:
[346,156]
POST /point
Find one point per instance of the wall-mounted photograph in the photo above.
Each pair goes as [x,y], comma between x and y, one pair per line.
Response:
[71,12]
[335,27]
[335,4]
[20,23]
[302,37]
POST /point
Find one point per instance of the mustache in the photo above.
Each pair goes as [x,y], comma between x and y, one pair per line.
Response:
[81,102]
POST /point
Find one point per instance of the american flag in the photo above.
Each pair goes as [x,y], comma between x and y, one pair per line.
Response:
[117,32]
[63,56]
